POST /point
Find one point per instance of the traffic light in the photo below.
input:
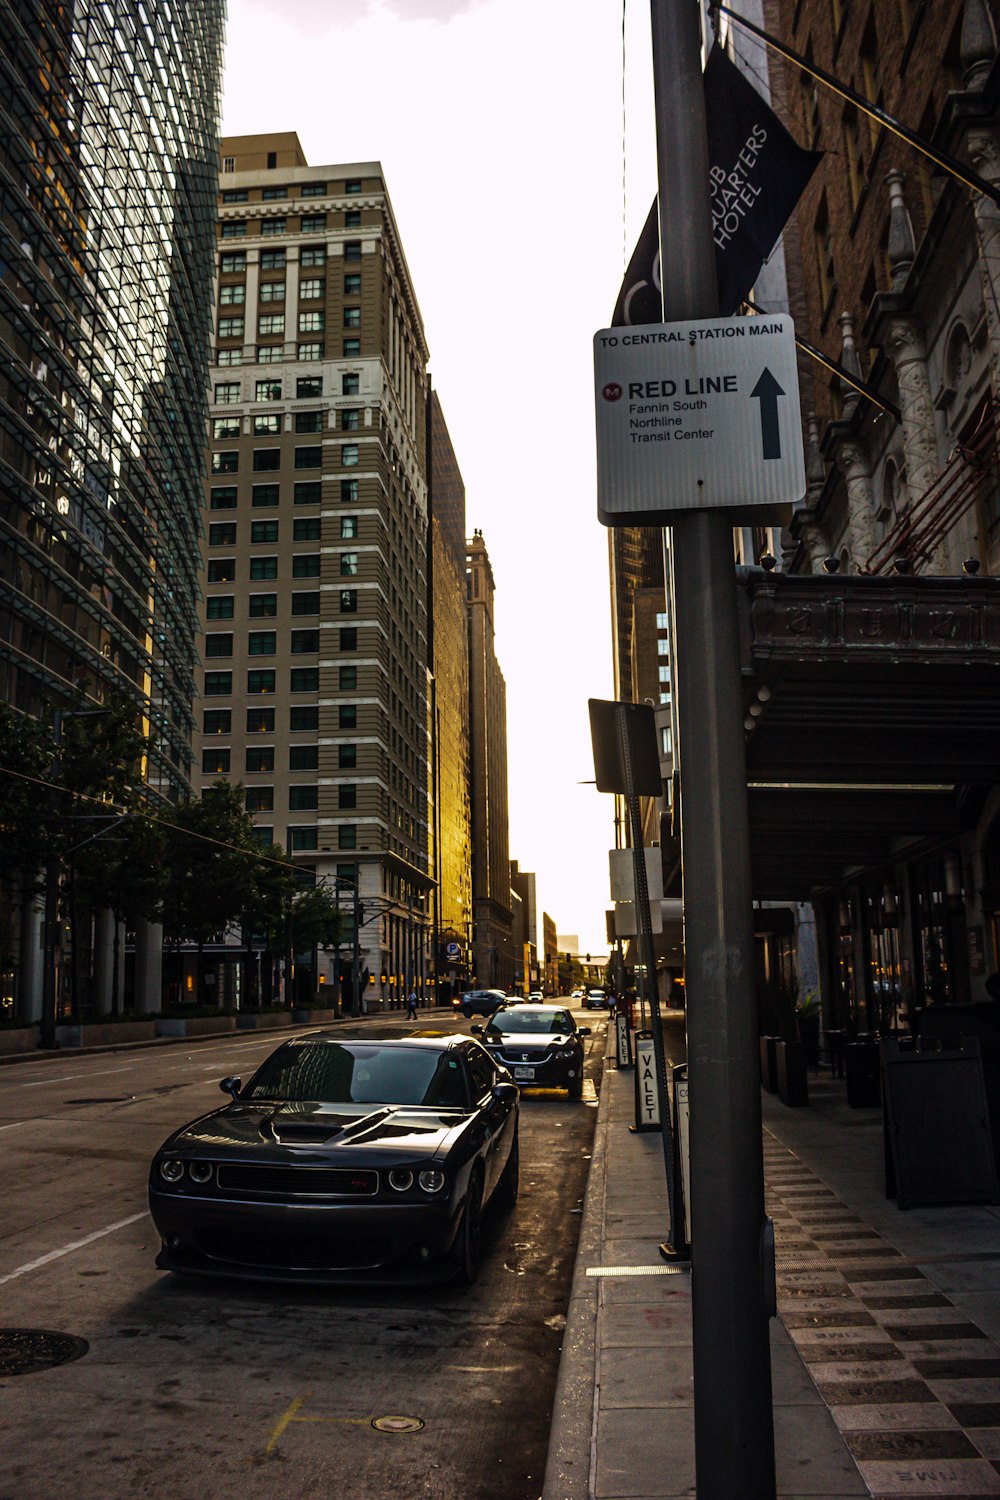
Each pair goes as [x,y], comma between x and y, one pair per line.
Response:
[588,958]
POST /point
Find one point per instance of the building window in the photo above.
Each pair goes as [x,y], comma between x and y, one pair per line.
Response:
[215,762]
[352,347]
[229,163]
[348,528]
[348,491]
[348,638]
[267,426]
[347,796]
[217,721]
[306,565]
[227,393]
[223,497]
[305,642]
[233,356]
[226,462]
[347,715]
[233,262]
[308,458]
[303,758]
[263,606]
[234,229]
[353,185]
[221,569]
[231,328]
[233,294]
[236,195]
[347,757]
[310,353]
[303,798]
[260,759]
[261,681]
[219,643]
[352,249]
[306,529]
[308,290]
[265,494]
[307,386]
[260,720]
[270,354]
[226,427]
[312,190]
[218,684]
[312,256]
[313,223]
[350,419]
[823,240]
[265,459]
[272,291]
[267,390]
[303,718]
[308,492]
[262,643]
[352,317]
[270,323]
[260,799]
[308,421]
[273,194]
[348,679]
[349,455]
[663,675]
[661,622]
[263,531]
[347,836]
[304,680]
[663,645]
[305,604]
[348,564]
[352,284]
[263,567]
[352,218]
[302,839]
[312,322]
[272,260]
[348,601]
[262,835]
[274,226]
[220,607]
[350,383]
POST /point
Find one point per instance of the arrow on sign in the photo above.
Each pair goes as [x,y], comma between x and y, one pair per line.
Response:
[767,390]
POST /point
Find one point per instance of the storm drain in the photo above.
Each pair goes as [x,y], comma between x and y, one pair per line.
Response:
[397,1424]
[25,1350]
[638,1270]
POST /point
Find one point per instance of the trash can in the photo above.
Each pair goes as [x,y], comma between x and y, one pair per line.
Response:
[862,1074]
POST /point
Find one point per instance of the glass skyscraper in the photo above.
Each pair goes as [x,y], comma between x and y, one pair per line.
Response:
[108,172]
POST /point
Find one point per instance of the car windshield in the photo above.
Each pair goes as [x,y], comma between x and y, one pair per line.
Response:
[360,1073]
[540,1021]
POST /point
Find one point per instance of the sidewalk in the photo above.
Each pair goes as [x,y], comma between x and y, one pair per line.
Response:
[886,1377]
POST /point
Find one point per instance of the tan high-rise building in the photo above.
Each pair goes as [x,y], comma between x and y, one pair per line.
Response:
[314,688]
[492,916]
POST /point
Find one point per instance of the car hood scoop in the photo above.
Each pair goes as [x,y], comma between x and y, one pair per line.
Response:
[291,1128]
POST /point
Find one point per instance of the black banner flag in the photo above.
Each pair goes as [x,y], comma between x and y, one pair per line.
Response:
[758,174]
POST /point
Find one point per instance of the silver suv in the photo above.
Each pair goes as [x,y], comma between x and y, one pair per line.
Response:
[479,1002]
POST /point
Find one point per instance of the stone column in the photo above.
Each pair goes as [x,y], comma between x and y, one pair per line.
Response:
[30,953]
[149,966]
[852,457]
[104,940]
[904,342]
[978,48]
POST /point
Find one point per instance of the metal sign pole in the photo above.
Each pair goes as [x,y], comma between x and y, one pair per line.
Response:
[734,1435]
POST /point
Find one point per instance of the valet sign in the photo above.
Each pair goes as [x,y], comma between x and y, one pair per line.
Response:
[698,415]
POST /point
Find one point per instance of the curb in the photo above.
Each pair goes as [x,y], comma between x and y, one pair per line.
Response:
[571,1435]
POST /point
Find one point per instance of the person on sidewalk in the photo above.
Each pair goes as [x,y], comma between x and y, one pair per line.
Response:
[411,1006]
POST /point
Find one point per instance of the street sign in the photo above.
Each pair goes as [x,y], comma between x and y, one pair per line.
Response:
[702,415]
[452,950]
[647,1089]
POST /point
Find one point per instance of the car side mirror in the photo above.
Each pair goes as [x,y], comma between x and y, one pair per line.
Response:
[583,1031]
[504,1093]
[476,1030]
[230,1085]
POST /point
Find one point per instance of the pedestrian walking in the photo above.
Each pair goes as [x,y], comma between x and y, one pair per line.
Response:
[411,1006]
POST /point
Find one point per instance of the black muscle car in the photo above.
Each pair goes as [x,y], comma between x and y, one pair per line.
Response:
[342,1161]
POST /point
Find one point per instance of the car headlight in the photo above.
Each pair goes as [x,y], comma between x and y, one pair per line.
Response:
[171,1171]
[400,1179]
[432,1180]
[200,1171]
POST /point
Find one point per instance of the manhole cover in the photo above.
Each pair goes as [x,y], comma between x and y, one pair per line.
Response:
[25,1350]
[397,1424]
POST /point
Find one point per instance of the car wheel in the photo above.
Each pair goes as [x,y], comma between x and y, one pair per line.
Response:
[509,1179]
[576,1087]
[471,1233]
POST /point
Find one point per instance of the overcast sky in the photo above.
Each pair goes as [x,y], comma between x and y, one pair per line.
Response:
[498,124]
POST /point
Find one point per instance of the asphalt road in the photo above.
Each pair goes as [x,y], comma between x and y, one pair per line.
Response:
[228,1391]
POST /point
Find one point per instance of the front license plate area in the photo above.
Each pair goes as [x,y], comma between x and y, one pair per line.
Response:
[524,1073]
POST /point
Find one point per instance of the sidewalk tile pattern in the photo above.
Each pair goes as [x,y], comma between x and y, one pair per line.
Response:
[912,1384]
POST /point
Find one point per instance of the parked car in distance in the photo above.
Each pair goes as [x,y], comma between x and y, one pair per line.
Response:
[595,1000]
[479,1002]
[540,1045]
[536,997]
[337,1162]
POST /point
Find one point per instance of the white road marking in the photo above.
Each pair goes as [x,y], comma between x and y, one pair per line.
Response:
[65,1078]
[16,1125]
[98,1234]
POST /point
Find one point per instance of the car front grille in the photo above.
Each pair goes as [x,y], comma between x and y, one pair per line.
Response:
[297,1182]
[293,1250]
[511,1055]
